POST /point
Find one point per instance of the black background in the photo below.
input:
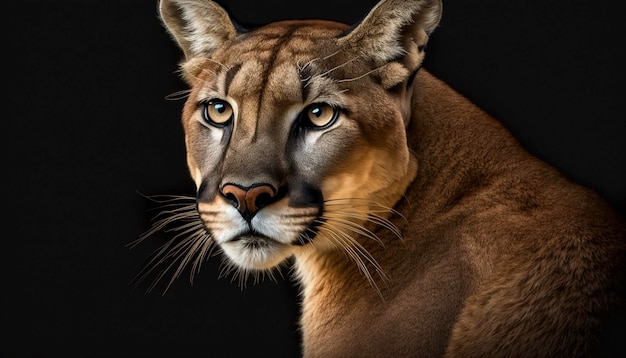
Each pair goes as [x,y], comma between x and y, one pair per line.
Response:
[89,127]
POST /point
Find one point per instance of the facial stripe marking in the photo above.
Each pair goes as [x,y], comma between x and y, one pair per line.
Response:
[230,74]
[282,41]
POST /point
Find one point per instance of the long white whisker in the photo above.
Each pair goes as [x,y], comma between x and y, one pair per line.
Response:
[343,222]
[301,68]
[362,250]
[337,67]
[157,260]
[205,252]
[178,95]
[376,219]
[357,253]
[356,228]
[159,226]
[339,239]
[204,69]
[372,213]
[191,252]
[190,245]
[359,77]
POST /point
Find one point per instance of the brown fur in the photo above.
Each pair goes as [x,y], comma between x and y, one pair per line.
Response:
[499,254]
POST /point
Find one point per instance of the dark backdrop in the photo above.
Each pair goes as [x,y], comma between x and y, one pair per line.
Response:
[89,127]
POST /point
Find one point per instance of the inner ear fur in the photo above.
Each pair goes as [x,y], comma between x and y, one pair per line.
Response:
[198,27]
[393,35]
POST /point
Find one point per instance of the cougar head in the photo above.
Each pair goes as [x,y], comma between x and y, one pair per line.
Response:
[295,131]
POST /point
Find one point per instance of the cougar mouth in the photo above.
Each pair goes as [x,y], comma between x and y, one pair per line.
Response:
[253,239]
[256,251]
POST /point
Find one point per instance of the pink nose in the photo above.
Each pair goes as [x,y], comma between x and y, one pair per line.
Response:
[249,200]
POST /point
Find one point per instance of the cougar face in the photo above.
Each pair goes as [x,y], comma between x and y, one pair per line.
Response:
[281,148]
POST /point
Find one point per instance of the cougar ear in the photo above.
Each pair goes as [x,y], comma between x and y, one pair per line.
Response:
[198,26]
[395,29]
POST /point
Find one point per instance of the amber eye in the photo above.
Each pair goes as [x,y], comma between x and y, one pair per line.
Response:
[320,115]
[217,112]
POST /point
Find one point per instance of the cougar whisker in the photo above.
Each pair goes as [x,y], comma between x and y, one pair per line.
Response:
[191,243]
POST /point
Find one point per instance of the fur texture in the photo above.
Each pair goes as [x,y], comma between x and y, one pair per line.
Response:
[419,226]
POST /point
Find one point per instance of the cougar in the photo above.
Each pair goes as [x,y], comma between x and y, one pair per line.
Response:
[415,223]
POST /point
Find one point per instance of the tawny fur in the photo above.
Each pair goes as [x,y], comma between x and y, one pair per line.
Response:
[499,255]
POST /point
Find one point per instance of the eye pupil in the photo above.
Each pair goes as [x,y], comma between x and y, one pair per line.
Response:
[320,115]
[217,112]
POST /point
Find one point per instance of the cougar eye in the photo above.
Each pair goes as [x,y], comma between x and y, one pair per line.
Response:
[319,115]
[217,112]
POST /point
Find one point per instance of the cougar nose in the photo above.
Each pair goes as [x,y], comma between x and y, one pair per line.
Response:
[249,200]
